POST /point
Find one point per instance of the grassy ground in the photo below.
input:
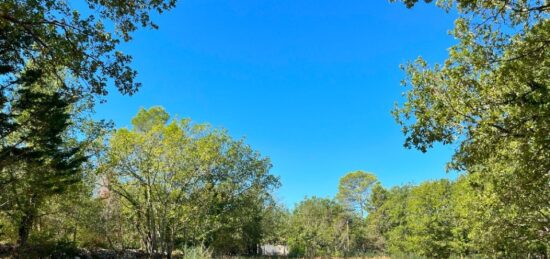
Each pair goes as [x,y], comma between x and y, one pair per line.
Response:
[283,257]
[11,251]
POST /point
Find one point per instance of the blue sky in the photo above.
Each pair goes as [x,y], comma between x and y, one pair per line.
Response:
[309,84]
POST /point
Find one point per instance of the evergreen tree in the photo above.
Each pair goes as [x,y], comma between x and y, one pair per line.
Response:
[38,159]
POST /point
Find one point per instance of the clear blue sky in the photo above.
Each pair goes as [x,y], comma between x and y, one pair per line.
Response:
[309,84]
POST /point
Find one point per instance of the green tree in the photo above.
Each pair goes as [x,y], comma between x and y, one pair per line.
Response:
[430,220]
[491,97]
[75,48]
[81,38]
[433,219]
[466,207]
[275,224]
[186,182]
[375,221]
[39,161]
[320,227]
[390,220]
[238,230]
[378,197]
[354,190]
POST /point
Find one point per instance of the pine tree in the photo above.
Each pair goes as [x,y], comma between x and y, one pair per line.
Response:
[38,160]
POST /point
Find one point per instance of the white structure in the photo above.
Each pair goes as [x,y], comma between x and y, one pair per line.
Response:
[278,250]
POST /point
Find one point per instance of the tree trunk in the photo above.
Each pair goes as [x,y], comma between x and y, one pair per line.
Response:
[24,228]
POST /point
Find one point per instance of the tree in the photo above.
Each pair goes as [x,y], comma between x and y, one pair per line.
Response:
[378,197]
[389,223]
[491,97]
[76,52]
[38,161]
[275,224]
[433,219]
[466,207]
[238,230]
[81,40]
[375,221]
[430,220]
[47,43]
[354,190]
[186,182]
[319,227]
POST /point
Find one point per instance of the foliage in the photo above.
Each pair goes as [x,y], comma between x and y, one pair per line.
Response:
[168,184]
[387,224]
[319,227]
[188,183]
[79,38]
[38,161]
[54,58]
[275,224]
[354,191]
[430,220]
[492,97]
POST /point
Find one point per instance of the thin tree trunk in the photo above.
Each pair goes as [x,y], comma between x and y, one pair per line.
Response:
[24,228]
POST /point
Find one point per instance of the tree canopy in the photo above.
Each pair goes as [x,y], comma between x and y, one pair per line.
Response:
[39,160]
[355,190]
[174,178]
[74,40]
[491,96]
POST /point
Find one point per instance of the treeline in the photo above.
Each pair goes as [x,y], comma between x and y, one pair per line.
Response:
[160,186]
[168,184]
[435,219]
[68,181]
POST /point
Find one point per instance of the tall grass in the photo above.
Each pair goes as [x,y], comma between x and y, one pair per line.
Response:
[196,252]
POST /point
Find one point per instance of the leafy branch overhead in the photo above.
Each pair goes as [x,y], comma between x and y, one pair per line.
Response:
[80,38]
